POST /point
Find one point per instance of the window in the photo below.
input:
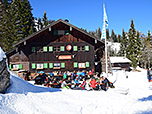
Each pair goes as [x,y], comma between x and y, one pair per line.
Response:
[87,64]
[66,32]
[79,48]
[45,49]
[50,65]
[82,65]
[45,65]
[83,48]
[61,32]
[57,66]
[15,66]
[40,66]
[55,32]
[62,65]
[20,66]
[39,49]
[56,49]
[10,66]
[62,48]
[33,49]
[86,48]
[50,48]
[75,64]
[33,66]
[75,48]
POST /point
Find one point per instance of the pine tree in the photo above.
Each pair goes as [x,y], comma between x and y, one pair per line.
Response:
[132,52]
[149,37]
[143,60]
[148,50]
[24,23]
[17,22]
[139,48]
[99,33]
[25,18]
[113,36]
[119,38]
[12,20]
[107,34]
[85,30]
[45,20]
[2,13]
[92,33]
[7,20]
[40,25]
[123,44]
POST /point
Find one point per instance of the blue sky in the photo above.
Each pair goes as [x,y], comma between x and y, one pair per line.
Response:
[88,14]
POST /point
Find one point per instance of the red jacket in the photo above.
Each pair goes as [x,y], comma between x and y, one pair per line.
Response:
[83,85]
[93,83]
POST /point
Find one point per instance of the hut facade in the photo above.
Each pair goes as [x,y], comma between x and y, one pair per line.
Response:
[60,46]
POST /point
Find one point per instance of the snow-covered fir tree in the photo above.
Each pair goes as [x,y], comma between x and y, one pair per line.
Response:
[123,44]
[45,20]
[41,23]
[132,45]
[147,51]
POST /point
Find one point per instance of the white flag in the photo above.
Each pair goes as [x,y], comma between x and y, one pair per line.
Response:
[105,24]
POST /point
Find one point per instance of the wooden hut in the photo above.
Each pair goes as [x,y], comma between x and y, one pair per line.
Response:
[60,46]
[120,63]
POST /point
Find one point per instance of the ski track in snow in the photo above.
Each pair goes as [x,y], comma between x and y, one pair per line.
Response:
[25,98]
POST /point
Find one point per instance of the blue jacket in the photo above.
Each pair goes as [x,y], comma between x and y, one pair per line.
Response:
[76,80]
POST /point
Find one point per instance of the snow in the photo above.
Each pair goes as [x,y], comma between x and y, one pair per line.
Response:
[132,95]
[25,98]
[2,54]
[115,46]
[119,60]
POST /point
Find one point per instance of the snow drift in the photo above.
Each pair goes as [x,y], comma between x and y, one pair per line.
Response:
[20,86]
[23,97]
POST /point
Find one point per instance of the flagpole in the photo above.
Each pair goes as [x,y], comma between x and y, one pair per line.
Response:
[106,57]
[105,24]
[106,47]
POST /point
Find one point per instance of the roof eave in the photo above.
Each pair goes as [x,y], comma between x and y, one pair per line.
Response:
[52,24]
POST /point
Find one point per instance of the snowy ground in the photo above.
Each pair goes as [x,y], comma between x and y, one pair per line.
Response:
[132,95]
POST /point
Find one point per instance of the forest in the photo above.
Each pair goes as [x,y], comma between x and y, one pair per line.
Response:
[17,22]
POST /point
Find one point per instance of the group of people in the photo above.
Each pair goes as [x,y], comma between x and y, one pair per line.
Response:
[75,80]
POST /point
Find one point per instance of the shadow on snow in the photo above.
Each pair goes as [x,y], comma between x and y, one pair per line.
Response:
[149,98]
[20,86]
[145,112]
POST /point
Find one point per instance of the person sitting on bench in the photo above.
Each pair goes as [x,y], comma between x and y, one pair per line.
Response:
[94,84]
[105,83]
[40,78]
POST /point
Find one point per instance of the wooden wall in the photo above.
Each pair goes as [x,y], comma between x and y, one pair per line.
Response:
[26,57]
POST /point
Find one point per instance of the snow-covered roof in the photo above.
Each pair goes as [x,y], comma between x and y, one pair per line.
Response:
[119,60]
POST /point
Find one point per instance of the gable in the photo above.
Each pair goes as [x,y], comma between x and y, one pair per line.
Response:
[59,29]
